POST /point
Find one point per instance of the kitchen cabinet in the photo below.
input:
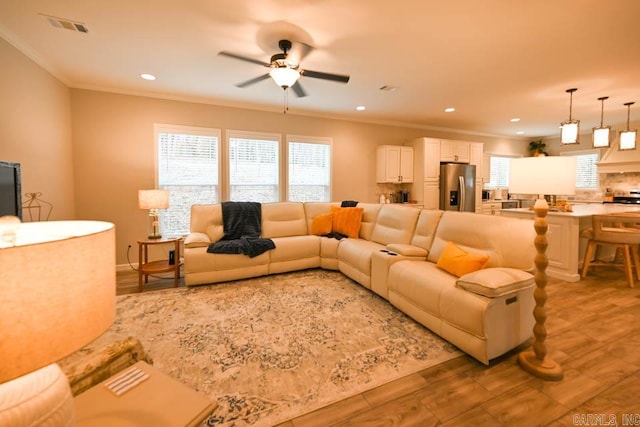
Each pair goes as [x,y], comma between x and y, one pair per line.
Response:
[394,164]
[455,151]
[476,158]
[426,167]
[429,153]
[491,208]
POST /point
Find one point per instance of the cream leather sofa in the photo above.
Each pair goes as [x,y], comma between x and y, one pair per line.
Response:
[485,313]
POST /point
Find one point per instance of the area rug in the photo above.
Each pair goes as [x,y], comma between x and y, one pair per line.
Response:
[272,348]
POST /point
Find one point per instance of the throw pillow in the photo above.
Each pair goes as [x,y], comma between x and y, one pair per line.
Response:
[347,221]
[458,262]
[322,224]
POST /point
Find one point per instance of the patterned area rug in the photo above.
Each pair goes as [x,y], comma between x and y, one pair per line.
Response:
[272,348]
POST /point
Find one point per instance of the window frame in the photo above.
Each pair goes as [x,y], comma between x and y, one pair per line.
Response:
[304,139]
[267,136]
[578,153]
[488,160]
[164,128]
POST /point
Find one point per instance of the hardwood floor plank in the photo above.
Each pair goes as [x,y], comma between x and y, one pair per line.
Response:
[404,412]
[392,390]
[333,414]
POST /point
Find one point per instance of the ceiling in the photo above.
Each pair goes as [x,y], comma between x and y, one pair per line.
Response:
[492,60]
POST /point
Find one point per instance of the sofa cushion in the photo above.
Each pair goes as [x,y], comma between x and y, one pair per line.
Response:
[313,209]
[495,282]
[369,217]
[357,253]
[204,216]
[321,224]
[458,262]
[426,228]
[395,224]
[197,240]
[347,221]
[507,241]
[283,219]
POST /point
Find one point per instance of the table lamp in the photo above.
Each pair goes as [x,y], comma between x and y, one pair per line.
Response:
[153,200]
[57,294]
[541,175]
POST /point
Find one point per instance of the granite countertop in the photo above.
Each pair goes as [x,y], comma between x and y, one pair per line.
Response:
[585,210]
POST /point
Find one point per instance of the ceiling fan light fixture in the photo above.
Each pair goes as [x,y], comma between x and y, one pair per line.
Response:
[602,134]
[628,137]
[284,77]
[570,130]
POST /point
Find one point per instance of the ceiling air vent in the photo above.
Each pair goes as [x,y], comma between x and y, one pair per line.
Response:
[66,24]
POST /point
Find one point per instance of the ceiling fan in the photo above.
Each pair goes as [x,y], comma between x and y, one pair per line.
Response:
[285,67]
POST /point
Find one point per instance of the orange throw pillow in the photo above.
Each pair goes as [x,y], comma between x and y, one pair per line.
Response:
[458,262]
[347,221]
[322,224]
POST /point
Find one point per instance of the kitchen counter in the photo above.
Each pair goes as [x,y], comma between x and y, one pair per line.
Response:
[584,210]
[566,248]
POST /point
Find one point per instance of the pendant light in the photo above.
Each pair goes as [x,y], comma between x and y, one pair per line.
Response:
[602,134]
[570,129]
[628,137]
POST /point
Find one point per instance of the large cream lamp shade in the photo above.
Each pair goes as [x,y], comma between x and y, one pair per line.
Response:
[57,294]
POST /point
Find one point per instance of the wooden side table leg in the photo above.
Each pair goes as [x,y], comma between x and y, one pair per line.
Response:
[140,264]
[176,263]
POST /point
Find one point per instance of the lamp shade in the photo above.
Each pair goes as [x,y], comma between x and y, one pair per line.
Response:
[284,76]
[57,292]
[569,132]
[628,140]
[153,199]
[543,175]
[601,136]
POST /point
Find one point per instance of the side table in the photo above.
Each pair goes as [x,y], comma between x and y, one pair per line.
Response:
[146,267]
[158,400]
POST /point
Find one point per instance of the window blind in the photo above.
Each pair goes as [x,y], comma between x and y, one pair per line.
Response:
[309,171]
[188,166]
[254,169]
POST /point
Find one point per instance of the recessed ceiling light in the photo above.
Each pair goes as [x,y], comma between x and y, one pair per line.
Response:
[449,110]
[361,108]
[520,132]
[515,119]
[148,76]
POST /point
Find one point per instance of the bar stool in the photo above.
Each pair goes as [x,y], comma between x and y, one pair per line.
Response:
[621,231]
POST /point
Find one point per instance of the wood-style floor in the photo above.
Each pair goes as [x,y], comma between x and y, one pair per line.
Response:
[593,331]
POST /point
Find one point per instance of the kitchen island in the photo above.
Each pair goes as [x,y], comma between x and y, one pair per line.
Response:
[566,248]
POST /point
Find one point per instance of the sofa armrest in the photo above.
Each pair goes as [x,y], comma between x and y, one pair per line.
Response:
[407,250]
[197,240]
[495,282]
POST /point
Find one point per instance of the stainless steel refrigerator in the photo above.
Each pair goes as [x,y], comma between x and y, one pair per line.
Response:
[457,187]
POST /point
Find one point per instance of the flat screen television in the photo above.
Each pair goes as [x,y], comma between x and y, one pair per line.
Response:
[10,189]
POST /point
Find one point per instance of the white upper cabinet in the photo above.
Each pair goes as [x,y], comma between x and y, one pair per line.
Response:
[394,164]
[455,151]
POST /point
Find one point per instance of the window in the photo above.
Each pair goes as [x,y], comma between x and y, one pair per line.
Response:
[499,166]
[254,167]
[188,166]
[586,169]
[309,169]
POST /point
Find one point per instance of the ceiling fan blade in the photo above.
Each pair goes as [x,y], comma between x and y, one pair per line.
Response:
[297,53]
[325,76]
[243,58]
[253,80]
[297,88]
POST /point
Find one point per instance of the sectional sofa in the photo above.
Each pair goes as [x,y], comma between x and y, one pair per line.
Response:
[467,277]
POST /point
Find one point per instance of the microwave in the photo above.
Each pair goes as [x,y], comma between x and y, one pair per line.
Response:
[486,195]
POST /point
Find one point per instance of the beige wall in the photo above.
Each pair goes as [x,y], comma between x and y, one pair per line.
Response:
[114,151]
[89,152]
[35,130]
